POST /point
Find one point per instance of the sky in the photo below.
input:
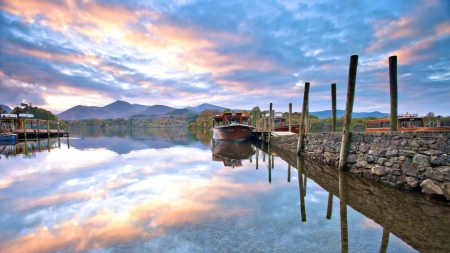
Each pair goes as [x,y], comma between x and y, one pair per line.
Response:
[234,53]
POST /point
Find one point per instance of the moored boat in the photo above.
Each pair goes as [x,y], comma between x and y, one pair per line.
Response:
[280,124]
[409,122]
[231,126]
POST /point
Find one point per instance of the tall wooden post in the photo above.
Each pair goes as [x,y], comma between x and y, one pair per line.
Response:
[307,119]
[348,112]
[24,127]
[290,117]
[333,107]
[48,129]
[302,123]
[394,91]
[38,129]
[270,122]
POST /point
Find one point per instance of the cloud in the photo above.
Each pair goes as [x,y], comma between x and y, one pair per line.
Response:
[165,51]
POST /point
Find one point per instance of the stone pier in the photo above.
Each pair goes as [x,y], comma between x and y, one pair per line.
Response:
[409,160]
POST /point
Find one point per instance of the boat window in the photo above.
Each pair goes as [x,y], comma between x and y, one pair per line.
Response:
[245,121]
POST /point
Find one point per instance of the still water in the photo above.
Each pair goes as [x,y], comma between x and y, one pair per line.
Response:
[171,190]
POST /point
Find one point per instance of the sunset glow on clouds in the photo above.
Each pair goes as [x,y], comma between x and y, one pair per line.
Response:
[238,54]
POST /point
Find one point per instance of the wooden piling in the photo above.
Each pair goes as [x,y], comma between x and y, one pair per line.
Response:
[270,122]
[333,107]
[302,123]
[48,129]
[58,128]
[290,117]
[24,127]
[348,111]
[38,125]
[394,91]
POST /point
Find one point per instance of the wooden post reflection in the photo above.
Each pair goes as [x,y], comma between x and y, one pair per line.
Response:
[48,144]
[269,164]
[68,145]
[330,205]
[384,241]
[273,161]
[300,186]
[289,173]
[257,156]
[343,210]
[26,147]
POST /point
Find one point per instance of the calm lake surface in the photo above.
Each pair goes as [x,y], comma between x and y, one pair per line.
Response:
[171,190]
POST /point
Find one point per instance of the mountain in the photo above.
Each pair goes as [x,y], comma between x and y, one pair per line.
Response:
[340,113]
[157,110]
[205,106]
[141,107]
[6,108]
[118,109]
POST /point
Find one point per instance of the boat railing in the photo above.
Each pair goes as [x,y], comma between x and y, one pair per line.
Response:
[430,123]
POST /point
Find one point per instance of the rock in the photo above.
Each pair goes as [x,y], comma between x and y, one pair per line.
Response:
[436,174]
[381,161]
[378,170]
[392,153]
[351,158]
[430,187]
[422,160]
[446,190]
[412,182]
[364,147]
[409,169]
[406,152]
[443,160]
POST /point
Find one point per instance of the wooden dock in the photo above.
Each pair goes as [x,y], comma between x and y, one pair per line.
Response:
[24,128]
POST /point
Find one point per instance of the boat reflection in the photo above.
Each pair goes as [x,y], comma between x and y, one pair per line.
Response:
[231,153]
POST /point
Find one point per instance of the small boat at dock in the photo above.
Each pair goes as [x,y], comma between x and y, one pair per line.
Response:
[280,124]
[409,122]
[231,126]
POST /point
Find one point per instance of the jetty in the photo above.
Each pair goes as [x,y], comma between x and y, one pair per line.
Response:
[13,128]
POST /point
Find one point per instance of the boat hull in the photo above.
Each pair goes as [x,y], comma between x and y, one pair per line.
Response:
[235,132]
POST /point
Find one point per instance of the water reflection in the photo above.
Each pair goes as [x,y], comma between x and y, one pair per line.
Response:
[231,153]
[97,197]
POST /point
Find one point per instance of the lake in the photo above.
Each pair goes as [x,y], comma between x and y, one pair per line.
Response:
[176,190]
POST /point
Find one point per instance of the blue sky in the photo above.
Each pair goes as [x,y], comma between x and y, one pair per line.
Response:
[235,54]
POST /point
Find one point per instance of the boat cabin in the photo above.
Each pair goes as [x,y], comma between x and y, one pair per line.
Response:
[230,118]
[404,121]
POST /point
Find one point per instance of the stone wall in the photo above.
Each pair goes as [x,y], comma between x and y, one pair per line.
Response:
[410,160]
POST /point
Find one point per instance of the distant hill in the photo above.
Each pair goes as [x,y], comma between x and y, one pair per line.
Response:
[157,110]
[339,113]
[141,107]
[6,108]
[118,109]
[205,106]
